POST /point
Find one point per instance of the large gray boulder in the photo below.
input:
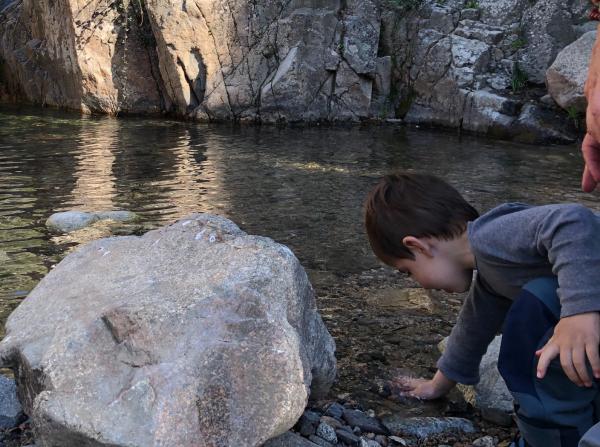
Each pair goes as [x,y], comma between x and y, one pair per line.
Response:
[567,75]
[193,334]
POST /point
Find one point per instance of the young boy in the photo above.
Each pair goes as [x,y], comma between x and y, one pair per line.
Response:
[537,281]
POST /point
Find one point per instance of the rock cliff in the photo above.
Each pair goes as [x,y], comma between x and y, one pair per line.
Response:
[465,64]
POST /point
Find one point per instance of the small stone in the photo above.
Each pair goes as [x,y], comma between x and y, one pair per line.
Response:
[320,441]
[356,430]
[368,443]
[332,421]
[335,410]
[308,423]
[288,439]
[398,440]
[366,423]
[381,440]
[327,432]
[486,441]
[347,437]
[11,412]
[424,427]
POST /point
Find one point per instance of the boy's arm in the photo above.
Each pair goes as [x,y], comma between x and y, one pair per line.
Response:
[479,320]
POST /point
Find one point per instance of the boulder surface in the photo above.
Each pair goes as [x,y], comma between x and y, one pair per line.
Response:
[193,334]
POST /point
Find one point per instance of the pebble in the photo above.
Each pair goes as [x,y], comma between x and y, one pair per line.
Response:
[347,437]
[308,423]
[327,432]
[320,441]
[366,423]
[381,440]
[424,427]
[332,421]
[486,441]
[368,443]
[335,410]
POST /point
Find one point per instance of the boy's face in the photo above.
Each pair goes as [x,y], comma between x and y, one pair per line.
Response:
[436,271]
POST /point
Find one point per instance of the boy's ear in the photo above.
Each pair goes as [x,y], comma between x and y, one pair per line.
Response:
[417,245]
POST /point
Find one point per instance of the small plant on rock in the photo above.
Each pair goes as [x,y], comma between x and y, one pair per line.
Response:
[576,117]
[518,43]
[519,79]
[472,4]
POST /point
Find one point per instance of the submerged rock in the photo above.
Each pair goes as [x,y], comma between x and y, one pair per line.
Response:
[289,439]
[193,331]
[68,221]
[425,427]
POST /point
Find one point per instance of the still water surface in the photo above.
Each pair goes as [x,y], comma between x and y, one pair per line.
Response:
[302,187]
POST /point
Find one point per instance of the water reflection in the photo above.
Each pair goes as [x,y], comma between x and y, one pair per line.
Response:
[303,187]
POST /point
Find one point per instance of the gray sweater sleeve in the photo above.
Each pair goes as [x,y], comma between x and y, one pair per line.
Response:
[468,342]
[567,237]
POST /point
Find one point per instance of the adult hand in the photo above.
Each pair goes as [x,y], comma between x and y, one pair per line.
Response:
[576,338]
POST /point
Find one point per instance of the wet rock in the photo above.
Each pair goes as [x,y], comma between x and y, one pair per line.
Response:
[333,422]
[326,432]
[368,443]
[308,423]
[490,395]
[11,412]
[538,125]
[129,337]
[320,441]
[486,441]
[425,427]
[68,221]
[566,77]
[347,437]
[367,424]
[335,410]
[381,440]
[491,114]
[289,439]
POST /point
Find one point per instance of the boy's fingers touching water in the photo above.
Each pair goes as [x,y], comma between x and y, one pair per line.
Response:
[576,340]
[422,388]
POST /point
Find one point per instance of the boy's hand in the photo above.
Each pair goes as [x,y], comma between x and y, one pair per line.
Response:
[425,389]
[575,338]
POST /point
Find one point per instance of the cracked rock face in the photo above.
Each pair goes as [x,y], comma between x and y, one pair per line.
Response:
[193,334]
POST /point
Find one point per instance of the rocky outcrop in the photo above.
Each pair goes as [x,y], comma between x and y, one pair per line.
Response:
[427,62]
[196,332]
[567,75]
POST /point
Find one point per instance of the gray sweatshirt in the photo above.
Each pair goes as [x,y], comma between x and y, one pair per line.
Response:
[513,244]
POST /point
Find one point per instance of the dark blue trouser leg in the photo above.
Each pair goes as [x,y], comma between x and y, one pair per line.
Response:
[552,412]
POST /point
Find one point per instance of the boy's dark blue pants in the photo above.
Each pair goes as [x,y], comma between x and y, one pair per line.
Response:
[551,412]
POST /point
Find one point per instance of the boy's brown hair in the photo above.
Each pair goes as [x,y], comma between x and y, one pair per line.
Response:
[418,205]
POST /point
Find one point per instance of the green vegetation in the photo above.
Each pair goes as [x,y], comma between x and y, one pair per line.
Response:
[576,117]
[472,4]
[518,44]
[519,79]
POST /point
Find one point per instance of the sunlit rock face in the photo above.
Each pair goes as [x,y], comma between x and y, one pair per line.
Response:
[93,56]
[193,334]
[428,62]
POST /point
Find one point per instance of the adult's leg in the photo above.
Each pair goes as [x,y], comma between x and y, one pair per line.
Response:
[552,411]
